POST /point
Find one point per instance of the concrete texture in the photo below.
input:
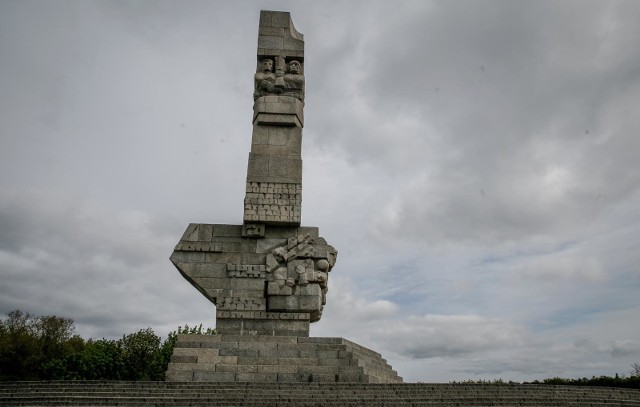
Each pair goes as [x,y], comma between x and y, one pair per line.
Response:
[268,277]
[314,394]
[276,359]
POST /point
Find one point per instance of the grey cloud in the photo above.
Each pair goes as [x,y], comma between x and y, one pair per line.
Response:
[464,158]
[496,130]
[73,258]
[625,348]
[432,336]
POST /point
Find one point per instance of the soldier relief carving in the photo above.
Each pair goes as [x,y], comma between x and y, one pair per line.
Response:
[287,80]
[297,275]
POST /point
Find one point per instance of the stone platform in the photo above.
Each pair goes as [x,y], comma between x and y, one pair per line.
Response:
[108,393]
[283,359]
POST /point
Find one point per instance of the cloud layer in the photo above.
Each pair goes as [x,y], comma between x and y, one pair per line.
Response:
[475,165]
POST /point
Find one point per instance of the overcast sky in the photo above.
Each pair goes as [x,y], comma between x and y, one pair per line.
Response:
[475,163]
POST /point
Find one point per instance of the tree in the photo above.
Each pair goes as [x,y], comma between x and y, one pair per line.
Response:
[635,370]
[19,350]
[140,356]
[45,348]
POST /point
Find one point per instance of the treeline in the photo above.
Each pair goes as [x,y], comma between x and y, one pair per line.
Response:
[34,347]
[631,382]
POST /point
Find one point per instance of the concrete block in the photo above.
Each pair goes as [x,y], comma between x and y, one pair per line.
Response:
[277,369]
[334,362]
[205,232]
[247,352]
[178,350]
[208,345]
[310,369]
[272,150]
[226,345]
[286,167]
[265,18]
[220,230]
[270,41]
[258,167]
[309,289]
[203,367]
[180,367]
[210,270]
[259,377]
[281,19]
[191,234]
[215,359]
[260,346]
[253,258]
[267,245]
[236,368]
[179,258]
[223,258]
[297,361]
[197,338]
[298,346]
[351,377]
[309,303]
[292,44]
[273,119]
[285,353]
[320,340]
[323,378]
[183,359]
[208,376]
[293,377]
[330,347]
[277,137]
[231,283]
[185,344]
[271,31]
[178,376]
[260,360]
[259,338]
[282,303]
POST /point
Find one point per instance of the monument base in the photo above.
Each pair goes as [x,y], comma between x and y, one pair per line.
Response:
[263,358]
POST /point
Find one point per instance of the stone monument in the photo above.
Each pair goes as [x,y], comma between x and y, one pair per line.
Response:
[268,277]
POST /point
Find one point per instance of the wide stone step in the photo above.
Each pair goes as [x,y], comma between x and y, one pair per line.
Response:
[284,359]
[105,393]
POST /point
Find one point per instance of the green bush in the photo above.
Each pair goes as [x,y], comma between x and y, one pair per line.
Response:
[45,348]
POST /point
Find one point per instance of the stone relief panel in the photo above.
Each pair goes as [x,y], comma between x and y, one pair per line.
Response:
[292,268]
[283,79]
[272,202]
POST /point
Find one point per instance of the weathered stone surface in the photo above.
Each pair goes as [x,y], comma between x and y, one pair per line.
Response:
[285,358]
[268,277]
[318,393]
[292,271]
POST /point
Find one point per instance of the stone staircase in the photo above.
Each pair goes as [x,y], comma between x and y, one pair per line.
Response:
[284,359]
[109,393]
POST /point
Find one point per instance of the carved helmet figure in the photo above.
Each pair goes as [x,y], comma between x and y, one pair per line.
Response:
[295,67]
[267,65]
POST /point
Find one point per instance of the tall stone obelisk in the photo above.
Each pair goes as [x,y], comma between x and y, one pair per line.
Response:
[268,277]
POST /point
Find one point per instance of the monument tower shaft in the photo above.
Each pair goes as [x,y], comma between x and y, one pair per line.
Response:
[269,275]
[274,174]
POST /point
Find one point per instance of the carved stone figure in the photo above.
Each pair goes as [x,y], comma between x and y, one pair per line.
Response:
[265,79]
[294,81]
